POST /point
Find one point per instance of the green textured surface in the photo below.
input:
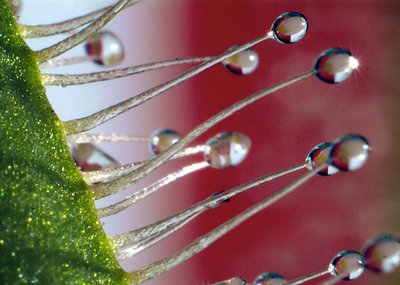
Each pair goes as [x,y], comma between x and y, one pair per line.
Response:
[49,230]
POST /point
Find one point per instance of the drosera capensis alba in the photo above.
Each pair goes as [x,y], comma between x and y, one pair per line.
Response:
[69,223]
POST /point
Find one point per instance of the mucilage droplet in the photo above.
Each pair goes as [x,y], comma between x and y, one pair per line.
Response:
[105,48]
[347,265]
[162,139]
[382,253]
[15,6]
[227,149]
[319,156]
[233,281]
[349,152]
[88,157]
[335,65]
[289,28]
[242,63]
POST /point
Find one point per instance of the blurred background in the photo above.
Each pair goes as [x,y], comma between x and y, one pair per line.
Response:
[300,234]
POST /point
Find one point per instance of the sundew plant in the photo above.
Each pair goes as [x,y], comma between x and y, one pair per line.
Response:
[323,73]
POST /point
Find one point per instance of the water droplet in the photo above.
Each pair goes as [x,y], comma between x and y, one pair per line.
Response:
[289,27]
[349,152]
[242,63]
[319,156]
[227,149]
[335,65]
[382,253]
[347,265]
[233,281]
[105,48]
[89,158]
[269,279]
[162,139]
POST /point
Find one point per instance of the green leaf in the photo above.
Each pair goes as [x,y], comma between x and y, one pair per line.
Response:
[49,230]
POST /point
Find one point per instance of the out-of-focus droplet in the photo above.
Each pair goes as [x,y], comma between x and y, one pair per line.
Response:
[227,149]
[242,63]
[162,139]
[335,65]
[105,48]
[89,158]
[289,27]
[347,265]
[319,156]
[349,152]
[269,279]
[382,253]
[15,6]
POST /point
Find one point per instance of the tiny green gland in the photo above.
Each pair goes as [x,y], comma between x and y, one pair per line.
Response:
[50,232]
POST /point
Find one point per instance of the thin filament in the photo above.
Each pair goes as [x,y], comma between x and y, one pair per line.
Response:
[150,271]
[65,61]
[99,138]
[190,151]
[136,197]
[305,279]
[154,163]
[109,174]
[112,173]
[72,41]
[334,279]
[142,245]
[39,31]
[100,117]
[77,79]
[126,239]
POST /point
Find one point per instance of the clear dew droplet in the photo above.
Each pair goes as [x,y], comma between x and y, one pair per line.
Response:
[335,65]
[88,157]
[242,63]
[162,139]
[382,253]
[227,149]
[349,152]
[289,28]
[269,279]
[233,281]
[105,48]
[347,265]
[319,156]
